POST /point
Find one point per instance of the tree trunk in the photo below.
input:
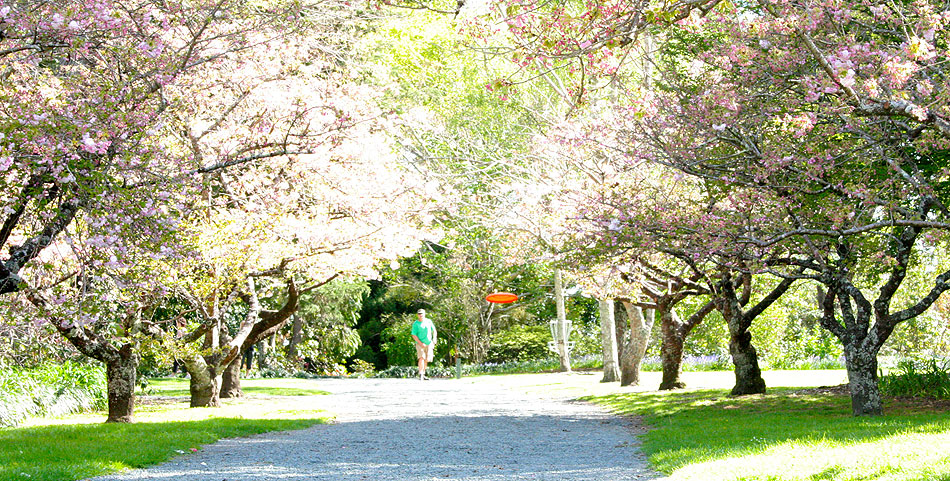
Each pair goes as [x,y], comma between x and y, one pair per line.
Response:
[641,324]
[120,379]
[262,348]
[204,384]
[121,363]
[625,351]
[231,380]
[564,354]
[671,350]
[295,338]
[746,360]
[863,382]
[608,339]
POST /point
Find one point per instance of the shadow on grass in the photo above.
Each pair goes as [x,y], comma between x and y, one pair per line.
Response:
[176,387]
[76,451]
[249,390]
[704,425]
[282,391]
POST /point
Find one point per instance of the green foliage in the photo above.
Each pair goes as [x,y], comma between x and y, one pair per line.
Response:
[918,378]
[151,365]
[378,307]
[51,390]
[325,327]
[399,347]
[787,335]
[362,368]
[519,343]
[786,435]
[451,285]
[548,364]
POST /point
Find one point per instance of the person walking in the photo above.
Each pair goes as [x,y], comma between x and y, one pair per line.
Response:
[424,334]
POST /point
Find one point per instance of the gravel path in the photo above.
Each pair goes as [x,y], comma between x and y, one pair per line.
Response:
[411,430]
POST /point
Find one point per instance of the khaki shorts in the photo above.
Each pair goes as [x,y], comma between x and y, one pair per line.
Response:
[427,352]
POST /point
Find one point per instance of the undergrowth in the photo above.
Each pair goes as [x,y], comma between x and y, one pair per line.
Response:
[51,390]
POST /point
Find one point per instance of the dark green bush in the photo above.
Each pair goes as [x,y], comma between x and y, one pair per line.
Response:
[918,378]
[398,344]
[520,343]
[50,390]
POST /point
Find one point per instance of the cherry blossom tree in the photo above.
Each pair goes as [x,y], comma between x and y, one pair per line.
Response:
[639,220]
[333,197]
[818,130]
[83,99]
[99,193]
[821,139]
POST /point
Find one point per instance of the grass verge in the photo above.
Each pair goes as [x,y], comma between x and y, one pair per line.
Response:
[788,434]
[175,386]
[81,446]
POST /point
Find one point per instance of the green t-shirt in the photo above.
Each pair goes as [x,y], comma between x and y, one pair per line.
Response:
[424,330]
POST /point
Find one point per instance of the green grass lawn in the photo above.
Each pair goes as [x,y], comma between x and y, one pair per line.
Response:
[81,446]
[175,386]
[788,434]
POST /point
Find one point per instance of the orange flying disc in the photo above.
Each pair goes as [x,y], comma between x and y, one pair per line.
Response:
[501,297]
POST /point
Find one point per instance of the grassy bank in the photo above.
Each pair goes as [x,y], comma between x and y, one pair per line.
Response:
[80,446]
[176,386]
[788,434]
[797,432]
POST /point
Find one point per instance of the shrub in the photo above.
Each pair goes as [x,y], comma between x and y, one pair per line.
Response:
[407,372]
[362,368]
[519,343]
[51,390]
[814,362]
[399,347]
[918,378]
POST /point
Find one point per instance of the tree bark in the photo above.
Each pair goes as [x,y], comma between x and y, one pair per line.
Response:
[22,254]
[744,356]
[640,326]
[295,337]
[671,349]
[204,385]
[863,382]
[746,361]
[666,290]
[608,340]
[674,332]
[626,358]
[120,382]
[206,372]
[564,354]
[231,380]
